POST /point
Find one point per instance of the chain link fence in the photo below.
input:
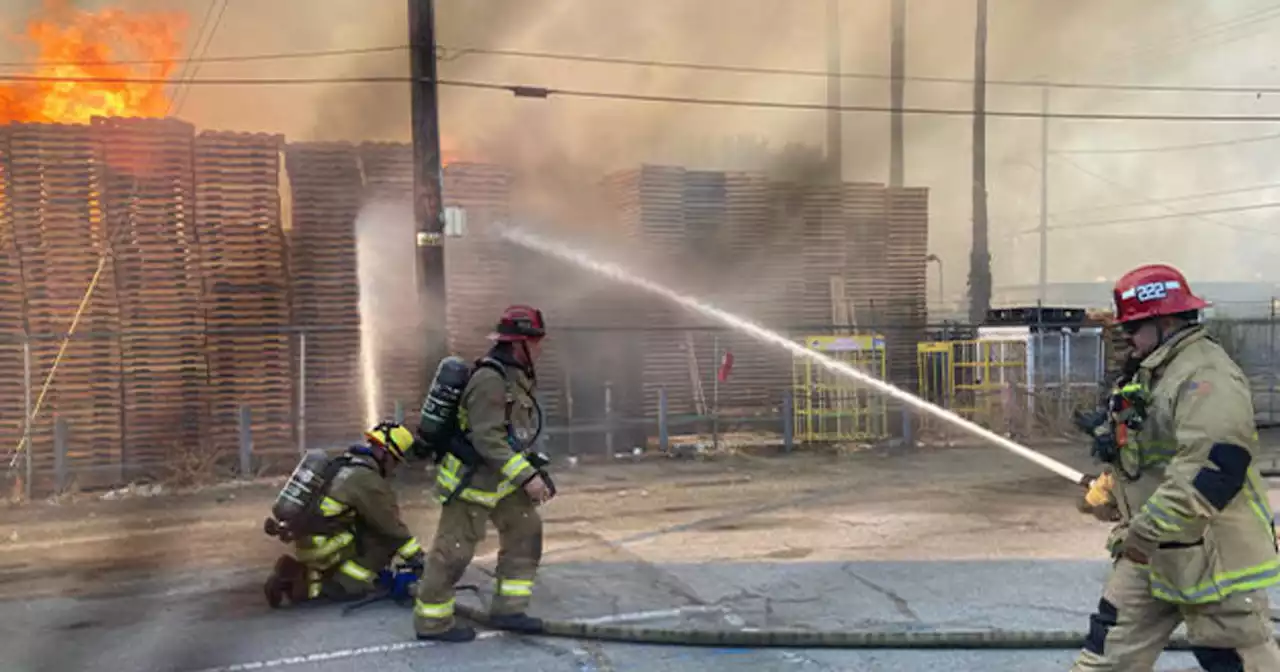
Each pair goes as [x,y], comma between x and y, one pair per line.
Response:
[194,408]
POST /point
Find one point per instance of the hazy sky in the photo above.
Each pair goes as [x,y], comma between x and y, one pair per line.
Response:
[1130,41]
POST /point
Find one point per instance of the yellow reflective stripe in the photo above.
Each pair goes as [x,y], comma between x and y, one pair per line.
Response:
[1220,586]
[447,478]
[331,507]
[515,588]
[1163,517]
[323,547]
[409,548]
[351,569]
[424,610]
[313,589]
[515,465]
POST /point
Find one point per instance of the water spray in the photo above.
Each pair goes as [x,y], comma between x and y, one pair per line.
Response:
[567,253]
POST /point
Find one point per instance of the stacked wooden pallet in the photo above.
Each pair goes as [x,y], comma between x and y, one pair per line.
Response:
[651,215]
[12,315]
[326,186]
[400,350]
[908,241]
[478,265]
[246,298]
[145,183]
[61,236]
[757,270]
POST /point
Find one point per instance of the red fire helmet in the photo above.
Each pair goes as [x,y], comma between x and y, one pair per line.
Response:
[1153,290]
[519,323]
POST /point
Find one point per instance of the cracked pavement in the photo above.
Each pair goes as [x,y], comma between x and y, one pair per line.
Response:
[805,542]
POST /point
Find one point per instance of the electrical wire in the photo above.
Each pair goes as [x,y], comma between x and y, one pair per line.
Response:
[740,69]
[1170,199]
[1173,148]
[180,95]
[246,58]
[454,53]
[524,91]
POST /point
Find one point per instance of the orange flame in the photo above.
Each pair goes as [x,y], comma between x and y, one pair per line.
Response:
[72,43]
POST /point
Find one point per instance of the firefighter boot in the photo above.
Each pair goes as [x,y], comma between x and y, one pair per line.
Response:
[457,634]
[288,578]
[521,622]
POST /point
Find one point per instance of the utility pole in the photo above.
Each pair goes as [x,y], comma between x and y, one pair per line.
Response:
[1044,195]
[980,255]
[835,129]
[897,68]
[428,176]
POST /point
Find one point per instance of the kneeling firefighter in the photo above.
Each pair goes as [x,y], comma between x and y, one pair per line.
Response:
[344,520]
[488,472]
[1194,541]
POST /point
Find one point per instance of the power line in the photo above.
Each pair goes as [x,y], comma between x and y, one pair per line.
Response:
[524,91]
[245,58]
[180,97]
[1171,199]
[1172,212]
[1174,215]
[455,53]
[1173,148]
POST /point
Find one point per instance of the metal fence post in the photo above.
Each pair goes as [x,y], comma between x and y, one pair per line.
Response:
[907,439]
[664,437]
[302,393]
[246,441]
[60,435]
[26,418]
[788,421]
[608,418]
[715,395]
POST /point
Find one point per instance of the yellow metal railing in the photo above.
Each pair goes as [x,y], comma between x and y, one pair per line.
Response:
[829,408]
[981,380]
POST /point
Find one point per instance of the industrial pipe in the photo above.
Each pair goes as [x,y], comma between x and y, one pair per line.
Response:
[807,639]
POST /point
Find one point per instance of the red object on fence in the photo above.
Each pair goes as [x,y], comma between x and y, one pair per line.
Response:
[726,366]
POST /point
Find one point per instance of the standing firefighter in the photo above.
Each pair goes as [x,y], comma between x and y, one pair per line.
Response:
[344,520]
[1195,541]
[488,475]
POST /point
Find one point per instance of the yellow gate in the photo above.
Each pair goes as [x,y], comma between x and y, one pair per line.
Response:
[832,408]
[982,380]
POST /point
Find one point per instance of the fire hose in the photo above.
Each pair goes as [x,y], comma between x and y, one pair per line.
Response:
[808,639]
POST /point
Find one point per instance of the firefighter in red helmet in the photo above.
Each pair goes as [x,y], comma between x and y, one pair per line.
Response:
[1194,542]
[499,416]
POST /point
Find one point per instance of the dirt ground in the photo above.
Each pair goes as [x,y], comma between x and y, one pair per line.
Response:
[960,503]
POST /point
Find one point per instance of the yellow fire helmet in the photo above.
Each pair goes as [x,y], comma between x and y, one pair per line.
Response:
[396,439]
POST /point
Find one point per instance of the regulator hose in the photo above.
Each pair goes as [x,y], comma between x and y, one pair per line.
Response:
[806,639]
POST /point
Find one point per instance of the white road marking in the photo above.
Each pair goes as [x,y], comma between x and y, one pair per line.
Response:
[383,649]
[336,655]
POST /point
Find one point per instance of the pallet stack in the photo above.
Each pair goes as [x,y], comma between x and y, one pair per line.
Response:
[400,351]
[651,217]
[908,245]
[478,265]
[12,315]
[146,192]
[326,185]
[247,291]
[60,233]
[759,284]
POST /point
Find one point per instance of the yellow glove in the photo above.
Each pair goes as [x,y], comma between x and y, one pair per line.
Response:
[1100,490]
[1097,500]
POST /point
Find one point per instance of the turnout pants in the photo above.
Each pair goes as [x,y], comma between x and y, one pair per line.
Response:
[344,566]
[461,529]
[1131,628]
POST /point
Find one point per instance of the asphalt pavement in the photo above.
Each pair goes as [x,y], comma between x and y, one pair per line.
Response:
[218,623]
